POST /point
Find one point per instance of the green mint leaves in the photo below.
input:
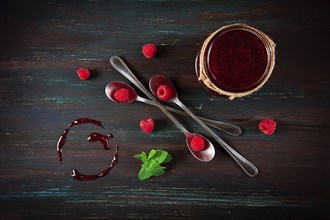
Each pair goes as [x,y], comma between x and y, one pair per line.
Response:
[151,163]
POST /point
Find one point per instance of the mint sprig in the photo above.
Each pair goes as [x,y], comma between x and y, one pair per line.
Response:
[151,163]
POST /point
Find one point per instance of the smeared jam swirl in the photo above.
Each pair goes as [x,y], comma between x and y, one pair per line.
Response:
[93,137]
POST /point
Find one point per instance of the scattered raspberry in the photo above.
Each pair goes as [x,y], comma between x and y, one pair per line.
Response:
[164,92]
[147,125]
[149,50]
[121,95]
[267,126]
[197,143]
[83,73]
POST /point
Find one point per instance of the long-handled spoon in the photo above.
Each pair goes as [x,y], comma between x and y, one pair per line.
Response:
[205,155]
[113,86]
[160,80]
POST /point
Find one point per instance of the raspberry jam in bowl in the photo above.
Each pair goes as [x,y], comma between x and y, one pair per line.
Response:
[235,61]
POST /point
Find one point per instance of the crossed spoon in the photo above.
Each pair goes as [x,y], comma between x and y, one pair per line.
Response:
[113,86]
[208,153]
[205,155]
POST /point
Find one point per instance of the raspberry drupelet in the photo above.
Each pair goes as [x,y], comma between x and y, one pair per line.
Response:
[267,126]
[164,92]
[197,143]
[147,125]
[121,95]
[149,50]
[83,73]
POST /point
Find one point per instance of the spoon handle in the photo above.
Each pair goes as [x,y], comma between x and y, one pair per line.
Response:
[249,168]
[122,68]
[228,128]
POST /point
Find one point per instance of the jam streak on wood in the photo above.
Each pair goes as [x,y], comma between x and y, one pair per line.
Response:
[85,121]
[93,137]
[84,177]
[62,139]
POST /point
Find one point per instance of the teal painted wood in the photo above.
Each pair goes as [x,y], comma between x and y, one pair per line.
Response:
[43,43]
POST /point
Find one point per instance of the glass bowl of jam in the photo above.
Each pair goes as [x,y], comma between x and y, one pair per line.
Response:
[235,60]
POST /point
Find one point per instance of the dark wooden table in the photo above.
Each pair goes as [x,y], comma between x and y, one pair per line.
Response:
[43,43]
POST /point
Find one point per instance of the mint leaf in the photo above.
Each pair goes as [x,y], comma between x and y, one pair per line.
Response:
[160,156]
[145,164]
[152,153]
[142,156]
[168,158]
[144,174]
[151,163]
[155,169]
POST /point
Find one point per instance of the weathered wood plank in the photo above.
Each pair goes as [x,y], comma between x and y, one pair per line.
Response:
[44,42]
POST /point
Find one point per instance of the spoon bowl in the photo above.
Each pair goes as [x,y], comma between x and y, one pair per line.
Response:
[205,155]
[158,80]
[112,87]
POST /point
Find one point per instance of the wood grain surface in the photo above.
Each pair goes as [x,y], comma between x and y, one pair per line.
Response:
[43,43]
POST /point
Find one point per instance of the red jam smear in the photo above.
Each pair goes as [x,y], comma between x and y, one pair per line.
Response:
[85,177]
[93,137]
[104,139]
[80,121]
[236,61]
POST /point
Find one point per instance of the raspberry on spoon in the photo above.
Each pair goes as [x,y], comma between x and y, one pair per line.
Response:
[197,143]
[121,95]
[164,92]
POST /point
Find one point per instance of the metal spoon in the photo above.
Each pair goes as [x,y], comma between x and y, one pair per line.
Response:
[246,165]
[207,154]
[113,86]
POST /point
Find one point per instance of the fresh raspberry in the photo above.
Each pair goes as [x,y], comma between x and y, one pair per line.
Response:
[267,126]
[149,50]
[83,73]
[121,95]
[164,92]
[197,143]
[147,125]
